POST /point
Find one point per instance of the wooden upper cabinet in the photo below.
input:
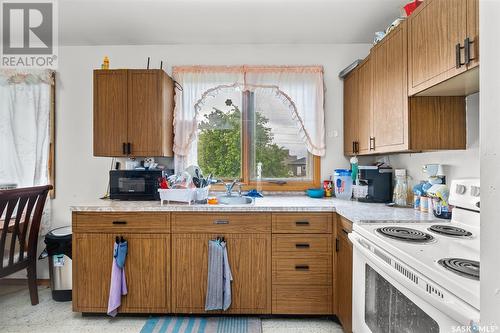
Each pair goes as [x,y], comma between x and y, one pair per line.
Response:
[350,113]
[380,116]
[110,112]
[435,30]
[390,94]
[365,105]
[144,101]
[473,31]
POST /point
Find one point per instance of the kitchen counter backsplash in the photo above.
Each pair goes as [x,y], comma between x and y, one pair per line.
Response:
[351,210]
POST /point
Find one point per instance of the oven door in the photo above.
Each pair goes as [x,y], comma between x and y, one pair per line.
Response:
[381,304]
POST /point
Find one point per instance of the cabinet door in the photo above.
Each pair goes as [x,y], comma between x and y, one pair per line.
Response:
[350,113]
[473,31]
[249,258]
[390,102]
[434,31]
[147,270]
[145,113]
[110,112]
[92,259]
[365,99]
[343,280]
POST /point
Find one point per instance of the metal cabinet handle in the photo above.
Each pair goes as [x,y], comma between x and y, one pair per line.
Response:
[345,231]
[458,55]
[119,222]
[301,222]
[372,143]
[221,222]
[302,246]
[354,146]
[302,267]
[467,48]
[129,148]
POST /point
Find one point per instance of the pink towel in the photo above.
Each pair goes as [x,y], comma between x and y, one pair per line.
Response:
[117,288]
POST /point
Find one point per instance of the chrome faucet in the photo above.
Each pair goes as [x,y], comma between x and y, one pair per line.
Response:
[229,187]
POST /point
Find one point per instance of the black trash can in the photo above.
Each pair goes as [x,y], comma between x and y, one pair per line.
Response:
[58,250]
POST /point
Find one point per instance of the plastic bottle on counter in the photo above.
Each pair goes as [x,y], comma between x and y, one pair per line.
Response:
[400,196]
[424,204]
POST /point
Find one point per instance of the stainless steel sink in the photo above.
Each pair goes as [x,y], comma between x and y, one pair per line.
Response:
[234,200]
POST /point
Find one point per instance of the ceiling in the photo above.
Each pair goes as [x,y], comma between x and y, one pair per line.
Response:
[136,22]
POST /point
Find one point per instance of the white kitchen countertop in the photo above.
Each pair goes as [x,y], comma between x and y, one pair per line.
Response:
[351,210]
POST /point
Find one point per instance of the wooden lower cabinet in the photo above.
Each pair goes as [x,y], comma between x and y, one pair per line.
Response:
[303,263]
[249,258]
[291,299]
[147,272]
[284,264]
[343,278]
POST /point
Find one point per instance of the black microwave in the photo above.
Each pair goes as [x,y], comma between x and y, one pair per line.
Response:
[134,184]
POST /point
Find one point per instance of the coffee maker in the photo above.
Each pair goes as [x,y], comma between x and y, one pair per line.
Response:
[379,182]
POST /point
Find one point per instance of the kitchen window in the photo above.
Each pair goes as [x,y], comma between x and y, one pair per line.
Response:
[250,132]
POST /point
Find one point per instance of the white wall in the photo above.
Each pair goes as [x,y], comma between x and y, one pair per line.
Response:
[456,163]
[82,178]
[490,161]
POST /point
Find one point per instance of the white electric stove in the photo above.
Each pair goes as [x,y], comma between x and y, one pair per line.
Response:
[419,277]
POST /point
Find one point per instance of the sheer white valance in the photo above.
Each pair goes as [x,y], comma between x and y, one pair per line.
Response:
[31,76]
[299,87]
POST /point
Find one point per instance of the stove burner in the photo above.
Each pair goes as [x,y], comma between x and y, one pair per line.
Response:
[406,234]
[448,230]
[464,267]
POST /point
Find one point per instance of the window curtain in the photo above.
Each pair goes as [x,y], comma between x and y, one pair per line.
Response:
[299,87]
[191,84]
[25,103]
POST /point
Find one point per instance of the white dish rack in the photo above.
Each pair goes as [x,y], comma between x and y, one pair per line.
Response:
[187,195]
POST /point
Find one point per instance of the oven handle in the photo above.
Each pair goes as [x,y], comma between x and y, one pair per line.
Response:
[455,308]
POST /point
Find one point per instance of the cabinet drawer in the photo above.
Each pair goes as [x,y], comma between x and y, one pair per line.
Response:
[302,300]
[121,222]
[221,223]
[344,227]
[305,270]
[301,244]
[318,223]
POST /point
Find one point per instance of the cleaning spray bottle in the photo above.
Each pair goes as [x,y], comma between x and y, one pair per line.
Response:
[354,169]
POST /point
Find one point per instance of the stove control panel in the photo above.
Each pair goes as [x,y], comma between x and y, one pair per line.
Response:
[465,193]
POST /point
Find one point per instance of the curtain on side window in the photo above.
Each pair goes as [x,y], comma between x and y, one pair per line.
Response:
[25,104]
[25,101]
[301,87]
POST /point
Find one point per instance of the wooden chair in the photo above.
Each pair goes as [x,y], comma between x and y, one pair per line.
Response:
[20,215]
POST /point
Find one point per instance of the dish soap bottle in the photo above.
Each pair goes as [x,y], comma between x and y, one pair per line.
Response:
[400,196]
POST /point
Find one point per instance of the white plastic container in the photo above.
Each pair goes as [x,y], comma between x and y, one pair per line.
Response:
[202,193]
[177,195]
[342,181]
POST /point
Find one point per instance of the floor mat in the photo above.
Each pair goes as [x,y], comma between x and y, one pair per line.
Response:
[202,325]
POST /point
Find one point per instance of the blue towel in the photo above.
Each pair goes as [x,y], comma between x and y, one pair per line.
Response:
[121,250]
[218,295]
